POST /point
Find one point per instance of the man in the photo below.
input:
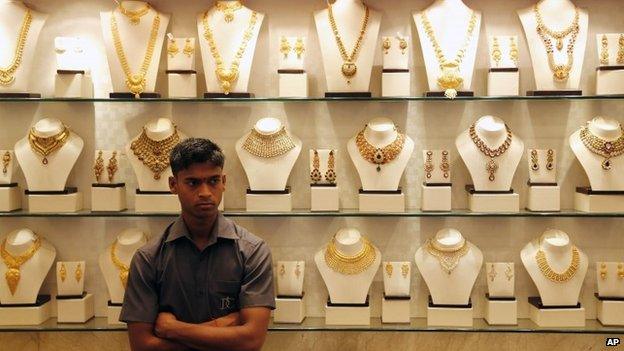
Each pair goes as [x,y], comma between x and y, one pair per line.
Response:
[207,284]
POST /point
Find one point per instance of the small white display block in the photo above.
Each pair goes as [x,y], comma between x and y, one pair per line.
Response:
[544,198]
[340,314]
[436,197]
[501,311]
[108,198]
[586,200]
[293,85]
[73,85]
[324,198]
[493,202]
[75,310]
[113,313]
[556,316]
[269,201]
[503,82]
[289,309]
[156,202]
[182,85]
[58,203]
[395,309]
[449,316]
[382,201]
[610,80]
[395,83]
[26,315]
[610,311]
[10,198]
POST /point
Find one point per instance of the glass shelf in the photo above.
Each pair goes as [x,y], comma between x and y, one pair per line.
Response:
[315,324]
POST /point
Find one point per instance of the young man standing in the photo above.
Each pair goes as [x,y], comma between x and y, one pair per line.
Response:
[207,284]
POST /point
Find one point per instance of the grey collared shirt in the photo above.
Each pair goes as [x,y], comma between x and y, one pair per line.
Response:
[171,274]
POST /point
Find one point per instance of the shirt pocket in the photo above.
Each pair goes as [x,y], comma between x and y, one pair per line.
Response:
[224,297]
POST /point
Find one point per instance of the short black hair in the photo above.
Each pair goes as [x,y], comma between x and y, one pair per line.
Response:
[195,150]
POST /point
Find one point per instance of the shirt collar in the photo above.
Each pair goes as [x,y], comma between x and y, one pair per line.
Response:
[223,228]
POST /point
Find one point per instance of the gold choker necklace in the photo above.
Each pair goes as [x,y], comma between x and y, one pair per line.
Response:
[379,155]
[448,258]
[349,68]
[155,153]
[45,146]
[601,147]
[267,146]
[228,9]
[134,16]
[13,263]
[560,72]
[123,268]
[350,265]
[6,73]
[548,272]
[491,166]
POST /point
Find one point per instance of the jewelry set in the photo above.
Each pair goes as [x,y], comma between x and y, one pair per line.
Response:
[154,153]
[45,146]
[405,270]
[558,277]
[173,50]
[13,263]
[607,149]
[447,257]
[491,166]
[604,271]
[445,166]
[330,175]
[111,168]
[550,160]
[286,48]
[350,265]
[379,155]
[561,72]
[604,51]
[387,44]
[268,145]
[509,272]
[349,67]
[497,54]
[77,274]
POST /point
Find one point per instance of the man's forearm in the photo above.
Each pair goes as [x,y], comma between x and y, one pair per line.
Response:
[159,344]
[205,337]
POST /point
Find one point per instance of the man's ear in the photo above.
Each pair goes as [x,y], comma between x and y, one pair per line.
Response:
[223,179]
[173,185]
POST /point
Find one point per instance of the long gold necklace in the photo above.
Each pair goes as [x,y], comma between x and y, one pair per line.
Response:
[605,148]
[13,263]
[448,258]
[560,72]
[379,155]
[135,16]
[267,146]
[349,68]
[450,78]
[228,76]
[45,146]
[7,73]
[350,265]
[548,272]
[228,9]
[155,153]
[135,82]
[491,166]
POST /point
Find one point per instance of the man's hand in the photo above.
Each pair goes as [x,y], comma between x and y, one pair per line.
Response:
[164,324]
[232,319]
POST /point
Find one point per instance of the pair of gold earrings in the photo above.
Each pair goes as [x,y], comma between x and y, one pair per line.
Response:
[497,54]
[508,272]
[404,270]
[603,271]
[604,53]
[330,174]
[386,45]
[297,270]
[445,167]
[286,48]
[111,169]
[550,160]
[6,159]
[173,49]
[77,273]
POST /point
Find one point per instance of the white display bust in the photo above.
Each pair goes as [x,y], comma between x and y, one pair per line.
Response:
[128,242]
[600,179]
[558,249]
[32,272]
[449,19]
[228,37]
[344,288]
[380,132]
[268,173]
[493,132]
[454,288]
[557,15]
[159,129]
[11,20]
[348,15]
[53,175]
[134,39]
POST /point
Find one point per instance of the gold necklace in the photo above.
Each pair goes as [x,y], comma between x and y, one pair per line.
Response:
[228,9]
[6,73]
[548,272]
[450,78]
[350,265]
[560,72]
[122,267]
[267,146]
[601,147]
[155,153]
[227,76]
[134,16]
[349,68]
[135,82]
[491,166]
[448,258]
[45,146]
[379,155]
[13,263]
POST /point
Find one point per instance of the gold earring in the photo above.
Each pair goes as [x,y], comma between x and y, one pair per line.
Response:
[550,159]
[404,270]
[172,48]
[330,174]
[282,270]
[189,48]
[603,271]
[492,273]
[6,159]
[285,47]
[299,47]
[604,52]
[111,169]
[98,168]
[513,50]
[63,272]
[429,164]
[297,270]
[386,45]
[496,53]
[402,45]
[534,161]
[620,57]
[445,166]
[620,271]
[509,272]
[389,269]
[316,175]
[78,273]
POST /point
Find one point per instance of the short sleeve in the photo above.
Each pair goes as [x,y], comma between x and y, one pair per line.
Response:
[141,297]
[257,284]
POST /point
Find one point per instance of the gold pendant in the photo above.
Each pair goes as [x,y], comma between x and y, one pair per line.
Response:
[6,78]
[12,277]
[123,276]
[349,69]
[136,84]
[229,15]
[450,79]
[63,272]
[606,164]
[491,167]
[559,44]
[226,78]
[135,19]
[561,72]
[78,273]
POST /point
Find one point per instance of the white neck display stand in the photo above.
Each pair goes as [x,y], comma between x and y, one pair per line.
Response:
[108,194]
[544,192]
[606,190]
[46,182]
[153,195]
[128,242]
[436,188]
[609,74]
[380,189]
[486,195]
[181,71]
[348,294]
[10,196]
[11,20]
[31,308]
[395,305]
[293,79]
[503,75]
[228,37]
[348,15]
[557,15]
[73,77]
[610,295]
[290,300]
[395,77]
[324,195]
[449,20]
[134,39]
[449,302]
[74,305]
[268,193]
[501,304]
[558,302]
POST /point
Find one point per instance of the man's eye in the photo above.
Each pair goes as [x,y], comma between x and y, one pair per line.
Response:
[215,181]
[192,182]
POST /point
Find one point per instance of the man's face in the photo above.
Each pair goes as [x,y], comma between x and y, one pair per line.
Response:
[200,189]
